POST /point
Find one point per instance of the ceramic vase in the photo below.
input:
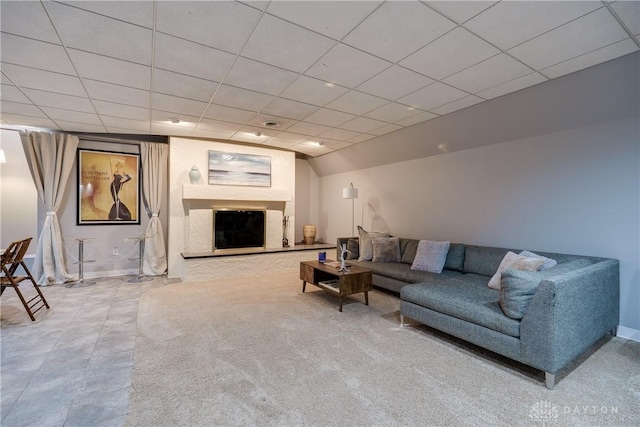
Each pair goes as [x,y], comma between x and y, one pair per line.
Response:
[194,175]
[309,234]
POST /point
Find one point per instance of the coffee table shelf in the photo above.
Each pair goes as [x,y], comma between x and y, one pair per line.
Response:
[354,281]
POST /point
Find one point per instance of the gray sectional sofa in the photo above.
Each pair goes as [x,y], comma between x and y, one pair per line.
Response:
[564,310]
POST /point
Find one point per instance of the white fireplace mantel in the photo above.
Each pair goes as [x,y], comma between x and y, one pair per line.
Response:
[218,192]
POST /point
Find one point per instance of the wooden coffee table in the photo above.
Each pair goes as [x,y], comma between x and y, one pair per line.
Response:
[354,281]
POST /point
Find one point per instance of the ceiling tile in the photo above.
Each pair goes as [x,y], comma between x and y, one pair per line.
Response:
[357,103]
[588,33]
[219,126]
[163,118]
[35,54]
[310,129]
[291,109]
[272,42]
[492,72]
[190,58]
[382,36]
[67,102]
[339,134]
[457,105]
[203,133]
[347,66]
[241,98]
[12,93]
[393,112]
[512,86]
[21,109]
[628,12]
[248,134]
[293,138]
[362,124]
[361,138]
[171,83]
[279,144]
[119,110]
[121,123]
[460,11]
[228,114]
[394,82]
[449,54]
[134,12]
[16,13]
[598,56]
[510,23]
[18,119]
[172,130]
[221,24]
[260,77]
[69,126]
[178,105]
[432,96]
[37,79]
[313,91]
[333,19]
[78,29]
[327,117]
[111,70]
[422,117]
[385,129]
[118,94]
[72,116]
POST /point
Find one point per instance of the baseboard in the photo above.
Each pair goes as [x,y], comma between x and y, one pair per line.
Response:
[628,333]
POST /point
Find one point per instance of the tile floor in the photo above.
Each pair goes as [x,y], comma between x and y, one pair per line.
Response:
[73,365]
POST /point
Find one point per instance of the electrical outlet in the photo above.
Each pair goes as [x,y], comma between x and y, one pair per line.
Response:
[116,251]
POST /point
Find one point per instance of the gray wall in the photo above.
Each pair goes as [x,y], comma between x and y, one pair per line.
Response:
[562,186]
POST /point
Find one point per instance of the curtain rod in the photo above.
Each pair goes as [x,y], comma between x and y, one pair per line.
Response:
[122,138]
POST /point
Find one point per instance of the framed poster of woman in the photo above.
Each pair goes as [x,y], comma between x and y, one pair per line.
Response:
[108,187]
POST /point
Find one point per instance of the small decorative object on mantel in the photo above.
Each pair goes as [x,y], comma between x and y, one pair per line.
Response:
[194,175]
[285,229]
[309,234]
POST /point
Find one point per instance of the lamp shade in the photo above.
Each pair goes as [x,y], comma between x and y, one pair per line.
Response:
[3,159]
[350,193]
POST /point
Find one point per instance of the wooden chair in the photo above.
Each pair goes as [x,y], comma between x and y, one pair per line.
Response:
[12,259]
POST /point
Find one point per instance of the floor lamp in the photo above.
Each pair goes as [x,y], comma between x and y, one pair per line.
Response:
[351,193]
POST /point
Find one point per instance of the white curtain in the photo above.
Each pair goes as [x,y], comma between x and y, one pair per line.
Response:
[50,157]
[154,174]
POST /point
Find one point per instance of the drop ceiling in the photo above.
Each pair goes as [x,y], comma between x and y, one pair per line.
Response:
[329,74]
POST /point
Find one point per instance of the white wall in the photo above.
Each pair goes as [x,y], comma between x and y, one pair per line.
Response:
[185,153]
[307,200]
[18,195]
[574,192]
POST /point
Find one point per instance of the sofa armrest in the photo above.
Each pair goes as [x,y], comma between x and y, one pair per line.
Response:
[569,313]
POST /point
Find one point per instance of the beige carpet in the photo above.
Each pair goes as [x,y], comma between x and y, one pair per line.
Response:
[260,352]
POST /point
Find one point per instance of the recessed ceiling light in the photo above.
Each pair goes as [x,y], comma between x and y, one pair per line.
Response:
[316,143]
[270,124]
[257,134]
[174,120]
[327,84]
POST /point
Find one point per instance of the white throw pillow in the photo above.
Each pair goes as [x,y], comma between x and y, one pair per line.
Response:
[514,261]
[548,262]
[430,256]
[366,248]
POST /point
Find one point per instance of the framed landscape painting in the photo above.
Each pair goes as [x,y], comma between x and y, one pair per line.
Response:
[108,188]
[239,169]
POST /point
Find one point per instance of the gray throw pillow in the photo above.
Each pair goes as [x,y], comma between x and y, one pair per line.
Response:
[386,249]
[354,248]
[518,286]
[430,256]
[366,250]
[548,262]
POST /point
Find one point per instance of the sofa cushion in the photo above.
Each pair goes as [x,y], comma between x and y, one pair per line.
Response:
[353,246]
[430,256]
[467,298]
[455,257]
[403,272]
[514,262]
[365,252]
[408,248]
[518,287]
[483,260]
[386,249]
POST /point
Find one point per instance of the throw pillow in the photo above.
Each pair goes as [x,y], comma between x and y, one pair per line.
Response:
[366,249]
[518,287]
[514,262]
[386,249]
[354,248]
[548,262]
[430,256]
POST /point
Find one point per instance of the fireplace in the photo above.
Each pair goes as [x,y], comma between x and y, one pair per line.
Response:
[233,229]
